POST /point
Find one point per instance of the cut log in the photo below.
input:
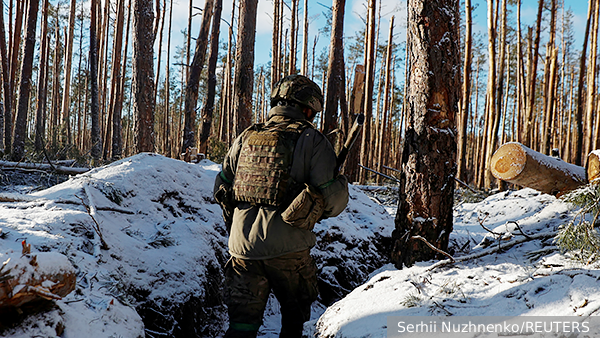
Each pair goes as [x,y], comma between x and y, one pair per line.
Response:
[593,165]
[26,278]
[43,166]
[518,164]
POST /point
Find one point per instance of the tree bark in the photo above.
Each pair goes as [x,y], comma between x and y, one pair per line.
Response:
[244,65]
[334,83]
[143,75]
[25,85]
[193,81]
[428,158]
[209,103]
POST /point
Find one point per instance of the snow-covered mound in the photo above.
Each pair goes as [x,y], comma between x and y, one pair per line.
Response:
[160,273]
[164,256]
[527,277]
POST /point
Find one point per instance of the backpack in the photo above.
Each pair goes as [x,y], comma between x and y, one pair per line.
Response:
[263,170]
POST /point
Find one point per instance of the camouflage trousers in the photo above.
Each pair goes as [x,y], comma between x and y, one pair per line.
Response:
[291,277]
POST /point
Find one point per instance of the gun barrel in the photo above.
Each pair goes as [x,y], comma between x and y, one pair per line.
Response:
[352,136]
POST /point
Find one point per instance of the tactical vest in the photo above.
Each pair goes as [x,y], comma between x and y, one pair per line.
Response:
[263,170]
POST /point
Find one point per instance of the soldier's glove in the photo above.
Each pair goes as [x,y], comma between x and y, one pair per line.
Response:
[224,196]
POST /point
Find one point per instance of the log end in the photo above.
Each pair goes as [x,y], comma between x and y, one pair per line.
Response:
[508,161]
[593,166]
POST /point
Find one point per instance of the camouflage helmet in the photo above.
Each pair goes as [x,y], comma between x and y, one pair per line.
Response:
[298,89]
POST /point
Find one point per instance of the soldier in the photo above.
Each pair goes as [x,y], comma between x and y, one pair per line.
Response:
[278,180]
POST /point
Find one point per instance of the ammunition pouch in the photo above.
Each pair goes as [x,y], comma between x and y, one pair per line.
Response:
[306,209]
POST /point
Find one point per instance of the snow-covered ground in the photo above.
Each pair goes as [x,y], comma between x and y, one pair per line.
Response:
[161,274]
[529,277]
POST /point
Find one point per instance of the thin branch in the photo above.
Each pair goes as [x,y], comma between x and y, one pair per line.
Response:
[432,247]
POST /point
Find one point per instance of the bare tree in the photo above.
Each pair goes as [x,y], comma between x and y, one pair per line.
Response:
[209,102]
[428,159]
[96,150]
[466,94]
[244,64]
[6,114]
[66,99]
[143,75]
[335,69]
[42,75]
[193,81]
[25,85]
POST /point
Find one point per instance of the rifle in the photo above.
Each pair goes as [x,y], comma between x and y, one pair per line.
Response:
[352,136]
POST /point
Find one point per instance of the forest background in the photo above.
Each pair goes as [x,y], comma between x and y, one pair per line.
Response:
[543,56]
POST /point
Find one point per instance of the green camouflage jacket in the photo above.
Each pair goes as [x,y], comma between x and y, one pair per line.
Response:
[257,231]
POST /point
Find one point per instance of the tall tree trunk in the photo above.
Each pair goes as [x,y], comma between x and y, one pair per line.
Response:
[25,85]
[578,146]
[549,82]
[492,93]
[305,41]
[293,37]
[591,82]
[6,117]
[366,144]
[193,81]
[244,64]
[209,103]
[116,78]
[96,150]
[66,100]
[275,48]
[143,75]
[428,160]
[466,94]
[335,70]
[532,77]
[167,113]
[42,75]
[386,106]
[14,57]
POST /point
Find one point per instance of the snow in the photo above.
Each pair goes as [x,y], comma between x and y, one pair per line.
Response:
[531,278]
[166,245]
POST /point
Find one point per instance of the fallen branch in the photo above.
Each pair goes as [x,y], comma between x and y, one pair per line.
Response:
[432,247]
[91,210]
[380,174]
[43,166]
[482,253]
